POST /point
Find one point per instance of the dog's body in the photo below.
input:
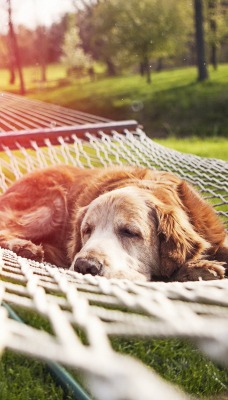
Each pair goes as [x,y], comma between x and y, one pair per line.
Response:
[126,223]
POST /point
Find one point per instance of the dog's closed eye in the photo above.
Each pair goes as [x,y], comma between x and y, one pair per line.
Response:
[129,232]
[87,230]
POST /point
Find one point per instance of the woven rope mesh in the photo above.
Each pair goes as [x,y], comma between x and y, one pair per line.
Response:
[102,308]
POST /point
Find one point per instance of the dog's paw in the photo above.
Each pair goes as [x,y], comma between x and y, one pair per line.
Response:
[25,248]
[200,270]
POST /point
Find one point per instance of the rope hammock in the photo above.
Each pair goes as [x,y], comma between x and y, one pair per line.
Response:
[35,135]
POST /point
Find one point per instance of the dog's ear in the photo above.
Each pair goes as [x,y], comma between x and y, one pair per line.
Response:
[202,215]
[179,242]
[74,244]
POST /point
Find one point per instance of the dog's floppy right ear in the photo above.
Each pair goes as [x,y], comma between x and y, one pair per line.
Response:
[74,244]
[179,242]
[202,215]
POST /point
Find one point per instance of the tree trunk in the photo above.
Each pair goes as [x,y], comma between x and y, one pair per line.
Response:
[142,68]
[43,72]
[212,5]
[12,71]
[11,60]
[159,64]
[214,56]
[15,50]
[110,67]
[200,43]
[42,54]
[147,70]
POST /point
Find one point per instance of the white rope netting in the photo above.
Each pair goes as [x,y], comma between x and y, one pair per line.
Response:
[102,308]
[196,310]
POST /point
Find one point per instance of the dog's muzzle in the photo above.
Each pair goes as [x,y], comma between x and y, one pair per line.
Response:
[87,266]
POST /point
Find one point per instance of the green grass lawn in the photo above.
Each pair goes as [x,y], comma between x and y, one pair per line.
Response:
[177,361]
[216,147]
[22,378]
[174,103]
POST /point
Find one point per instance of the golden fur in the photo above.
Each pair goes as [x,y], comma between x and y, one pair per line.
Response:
[126,223]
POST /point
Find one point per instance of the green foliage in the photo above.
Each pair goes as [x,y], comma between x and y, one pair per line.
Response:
[74,56]
[124,33]
[152,27]
[216,21]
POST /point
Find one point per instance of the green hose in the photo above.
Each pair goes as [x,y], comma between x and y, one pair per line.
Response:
[63,378]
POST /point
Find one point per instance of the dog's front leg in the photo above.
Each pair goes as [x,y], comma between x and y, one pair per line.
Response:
[199,270]
[22,247]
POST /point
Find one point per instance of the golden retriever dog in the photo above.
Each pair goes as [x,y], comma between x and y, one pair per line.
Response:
[130,222]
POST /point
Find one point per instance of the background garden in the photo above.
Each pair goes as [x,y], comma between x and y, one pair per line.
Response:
[162,63]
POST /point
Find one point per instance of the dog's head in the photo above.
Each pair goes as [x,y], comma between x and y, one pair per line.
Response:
[134,232]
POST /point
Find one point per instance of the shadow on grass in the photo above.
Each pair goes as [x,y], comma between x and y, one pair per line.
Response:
[190,109]
[193,109]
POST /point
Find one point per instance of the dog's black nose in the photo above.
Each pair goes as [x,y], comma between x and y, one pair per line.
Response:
[87,266]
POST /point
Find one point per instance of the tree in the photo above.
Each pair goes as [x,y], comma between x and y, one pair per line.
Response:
[96,22]
[14,54]
[41,36]
[125,33]
[26,45]
[217,27]
[200,42]
[152,29]
[55,38]
[3,51]
[213,14]
[74,56]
